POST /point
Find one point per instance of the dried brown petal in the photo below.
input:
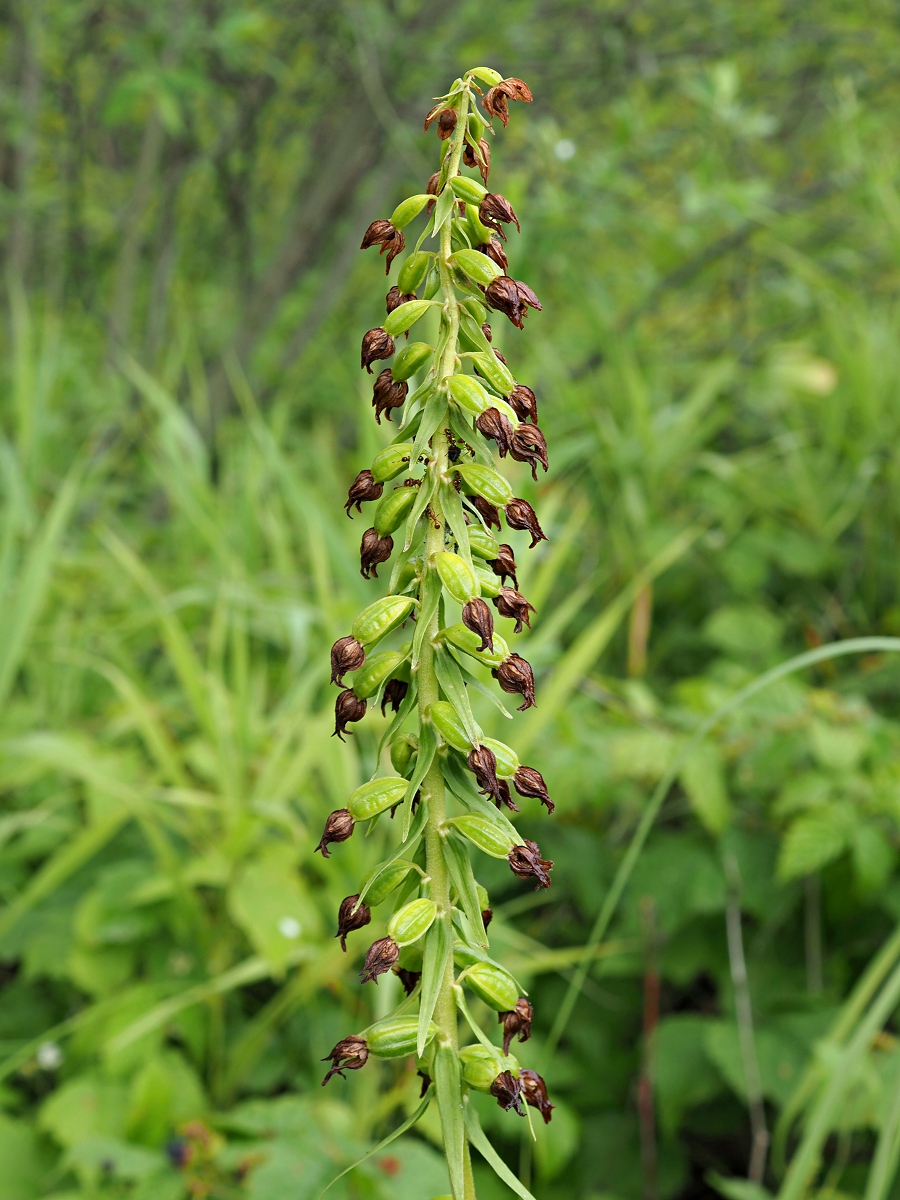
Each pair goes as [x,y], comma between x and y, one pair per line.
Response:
[363,488]
[529,782]
[516,677]
[517,1022]
[524,402]
[347,654]
[520,515]
[508,1092]
[409,979]
[380,957]
[494,250]
[493,424]
[487,915]
[496,103]
[377,343]
[534,1091]
[487,331]
[478,617]
[348,919]
[395,298]
[383,234]
[445,117]
[489,513]
[348,707]
[394,694]
[388,394]
[372,551]
[526,863]
[483,765]
[338,828]
[348,1055]
[510,603]
[495,209]
[505,796]
[504,564]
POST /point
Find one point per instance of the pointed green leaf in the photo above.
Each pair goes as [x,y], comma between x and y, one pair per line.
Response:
[448,1083]
[427,747]
[434,963]
[451,680]
[490,1155]
[460,867]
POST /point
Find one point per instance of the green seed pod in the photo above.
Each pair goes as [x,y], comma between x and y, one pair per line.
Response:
[376,796]
[480,541]
[493,370]
[468,189]
[490,836]
[393,509]
[469,394]
[381,617]
[495,986]
[507,760]
[476,127]
[396,1037]
[475,309]
[412,921]
[403,749]
[464,639]
[485,481]
[391,461]
[414,271]
[405,316]
[385,880]
[466,956]
[476,266]
[490,583]
[480,1066]
[410,359]
[478,233]
[375,671]
[446,721]
[407,210]
[456,575]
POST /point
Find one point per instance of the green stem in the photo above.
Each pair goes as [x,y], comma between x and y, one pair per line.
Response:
[433,785]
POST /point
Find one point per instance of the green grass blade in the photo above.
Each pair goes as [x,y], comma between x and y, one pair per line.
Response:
[434,966]
[448,1084]
[490,1155]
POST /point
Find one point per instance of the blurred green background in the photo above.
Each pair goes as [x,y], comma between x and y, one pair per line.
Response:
[711,217]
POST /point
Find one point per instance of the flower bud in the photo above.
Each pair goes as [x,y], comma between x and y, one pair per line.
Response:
[403,748]
[364,487]
[388,237]
[510,603]
[516,1021]
[482,543]
[351,915]
[495,209]
[526,863]
[375,671]
[504,564]
[412,921]
[338,828]
[534,1091]
[457,576]
[468,393]
[379,618]
[375,344]
[511,297]
[396,1037]
[410,359]
[529,782]
[346,655]
[380,957]
[483,766]
[516,677]
[485,481]
[446,721]
[528,444]
[507,759]
[413,272]
[375,796]
[394,694]
[387,394]
[348,707]
[390,462]
[476,616]
[372,551]
[520,515]
[524,403]
[348,1055]
[488,511]
[494,986]
[493,424]
[392,511]
[494,250]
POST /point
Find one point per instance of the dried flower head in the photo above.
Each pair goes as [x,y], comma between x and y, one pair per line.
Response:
[380,957]
[478,617]
[510,603]
[362,489]
[508,1092]
[377,343]
[495,210]
[504,564]
[511,297]
[479,157]
[534,1091]
[505,797]
[395,298]
[517,1022]
[383,234]
[496,101]
[372,551]
[529,782]
[338,828]
[394,694]
[348,1055]
[493,424]
[446,120]
[516,677]
[347,654]
[520,515]
[524,403]
[488,511]
[487,331]
[348,707]
[526,863]
[351,915]
[388,394]
[494,251]
[487,915]
[483,765]
[528,444]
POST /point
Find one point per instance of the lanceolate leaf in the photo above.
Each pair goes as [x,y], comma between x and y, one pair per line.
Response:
[434,963]
[451,681]
[460,866]
[427,747]
[449,1088]
[490,1155]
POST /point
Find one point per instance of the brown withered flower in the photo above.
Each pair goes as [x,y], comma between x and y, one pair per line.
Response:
[504,564]
[496,100]
[517,1022]
[483,765]
[383,234]
[529,782]
[479,157]
[431,189]
[493,424]
[380,957]
[388,394]
[524,403]
[487,915]
[362,489]
[495,210]
[508,1092]
[512,604]
[395,298]
[351,917]
[535,1092]
[446,120]
[338,828]
[347,654]
[526,863]
[499,356]
[409,979]
[375,344]
[528,444]
[487,331]
[505,796]
[516,677]
[348,1055]
[520,515]
[511,297]
[489,513]
[372,551]
[494,251]
[478,617]
[348,707]
[394,694]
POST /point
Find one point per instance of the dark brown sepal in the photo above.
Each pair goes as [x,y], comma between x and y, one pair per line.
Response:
[478,617]
[517,1022]
[487,915]
[483,765]
[395,298]
[526,863]
[516,677]
[409,979]
[487,331]
[348,919]
[504,564]
[347,654]
[426,1083]
[372,551]
[511,297]
[512,604]
[481,159]
[377,343]
[496,100]
[383,234]
[524,403]
[348,707]
[535,1092]
[529,782]
[388,394]
[338,828]
[363,488]
[520,515]
[528,444]
[505,796]
[446,120]
[508,1092]
[494,251]
[489,512]
[493,424]
[496,209]
[394,694]
[380,957]
[348,1055]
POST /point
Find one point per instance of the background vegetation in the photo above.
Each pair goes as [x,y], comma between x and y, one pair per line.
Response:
[712,221]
